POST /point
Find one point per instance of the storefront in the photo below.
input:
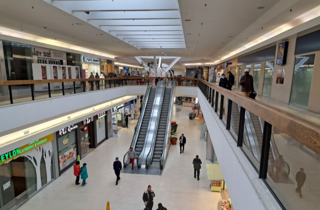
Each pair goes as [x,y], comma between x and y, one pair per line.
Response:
[90,65]
[102,127]
[67,147]
[87,136]
[25,170]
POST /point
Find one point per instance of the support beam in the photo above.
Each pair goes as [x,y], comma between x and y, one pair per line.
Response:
[172,64]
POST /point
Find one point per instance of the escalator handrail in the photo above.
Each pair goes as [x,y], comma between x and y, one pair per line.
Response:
[168,131]
[150,153]
[137,129]
[144,147]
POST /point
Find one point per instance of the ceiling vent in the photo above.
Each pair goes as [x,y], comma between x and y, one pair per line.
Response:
[187,20]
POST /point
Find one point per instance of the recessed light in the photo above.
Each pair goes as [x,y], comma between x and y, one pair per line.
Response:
[188,33]
[262,7]
[187,20]
[45,27]
[100,34]
[78,24]
[229,36]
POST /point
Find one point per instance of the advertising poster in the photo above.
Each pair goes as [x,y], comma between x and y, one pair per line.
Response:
[55,72]
[44,72]
[67,158]
[69,72]
[64,72]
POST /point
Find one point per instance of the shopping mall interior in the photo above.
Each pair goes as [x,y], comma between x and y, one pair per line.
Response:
[155,105]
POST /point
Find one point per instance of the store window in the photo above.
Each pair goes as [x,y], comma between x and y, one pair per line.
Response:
[18,61]
[267,81]
[302,78]
[67,149]
[256,76]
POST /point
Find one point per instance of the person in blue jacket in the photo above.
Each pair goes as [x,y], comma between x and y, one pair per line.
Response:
[84,174]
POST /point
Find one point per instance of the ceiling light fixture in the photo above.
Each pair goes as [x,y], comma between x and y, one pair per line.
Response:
[187,20]
[52,42]
[262,7]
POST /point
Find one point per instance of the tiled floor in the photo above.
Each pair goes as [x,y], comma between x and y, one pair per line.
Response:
[176,188]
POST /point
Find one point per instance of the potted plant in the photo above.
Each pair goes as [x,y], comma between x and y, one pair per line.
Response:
[173,137]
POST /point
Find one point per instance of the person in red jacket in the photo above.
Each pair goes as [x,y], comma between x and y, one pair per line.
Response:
[76,171]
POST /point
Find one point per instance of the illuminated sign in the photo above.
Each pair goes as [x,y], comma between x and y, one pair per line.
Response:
[26,148]
[101,115]
[87,121]
[282,53]
[67,130]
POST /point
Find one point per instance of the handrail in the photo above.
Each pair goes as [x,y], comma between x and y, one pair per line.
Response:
[305,132]
[144,147]
[168,131]
[137,129]
[150,153]
[29,82]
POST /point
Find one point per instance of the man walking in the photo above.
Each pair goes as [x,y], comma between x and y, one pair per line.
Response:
[231,80]
[246,82]
[224,82]
[97,82]
[300,178]
[76,171]
[132,156]
[197,166]
[182,141]
[117,166]
[148,198]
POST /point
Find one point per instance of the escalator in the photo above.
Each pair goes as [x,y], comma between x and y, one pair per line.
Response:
[145,122]
[161,132]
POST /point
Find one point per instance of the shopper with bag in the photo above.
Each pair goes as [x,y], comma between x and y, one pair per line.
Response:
[246,82]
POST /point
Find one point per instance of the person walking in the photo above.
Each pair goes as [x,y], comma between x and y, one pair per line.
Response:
[231,80]
[246,82]
[224,83]
[84,174]
[97,82]
[147,197]
[76,171]
[300,178]
[117,166]
[160,207]
[132,156]
[197,166]
[182,141]
[91,82]
[126,119]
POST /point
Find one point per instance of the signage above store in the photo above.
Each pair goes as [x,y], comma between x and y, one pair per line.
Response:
[87,121]
[67,129]
[38,52]
[87,59]
[26,148]
[101,115]
[282,53]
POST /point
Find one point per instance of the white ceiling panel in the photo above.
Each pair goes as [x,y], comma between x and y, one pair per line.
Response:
[130,19]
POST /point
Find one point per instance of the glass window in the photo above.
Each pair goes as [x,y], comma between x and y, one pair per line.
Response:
[267,82]
[67,149]
[256,76]
[302,78]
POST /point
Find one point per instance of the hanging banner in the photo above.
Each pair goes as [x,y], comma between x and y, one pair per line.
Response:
[24,149]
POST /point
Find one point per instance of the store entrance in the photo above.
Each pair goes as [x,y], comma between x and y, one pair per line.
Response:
[87,139]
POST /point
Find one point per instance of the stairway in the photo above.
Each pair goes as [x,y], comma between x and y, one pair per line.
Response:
[162,126]
[145,123]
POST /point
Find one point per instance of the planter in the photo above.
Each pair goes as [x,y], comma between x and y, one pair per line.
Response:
[174,140]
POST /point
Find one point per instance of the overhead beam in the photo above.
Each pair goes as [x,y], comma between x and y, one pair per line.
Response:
[146,67]
[172,64]
[146,28]
[132,14]
[134,22]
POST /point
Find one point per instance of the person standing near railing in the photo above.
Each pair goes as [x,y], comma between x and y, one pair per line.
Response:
[231,80]
[91,82]
[224,83]
[97,82]
[132,156]
[246,82]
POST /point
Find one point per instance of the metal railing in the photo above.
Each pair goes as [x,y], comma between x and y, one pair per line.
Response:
[137,128]
[168,131]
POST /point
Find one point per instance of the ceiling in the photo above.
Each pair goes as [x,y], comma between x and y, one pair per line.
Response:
[194,30]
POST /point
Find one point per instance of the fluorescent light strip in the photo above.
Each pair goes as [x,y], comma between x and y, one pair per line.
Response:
[129,65]
[303,18]
[43,40]
[19,135]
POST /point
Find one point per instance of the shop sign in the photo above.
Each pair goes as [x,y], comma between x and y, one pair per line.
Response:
[87,59]
[282,53]
[101,115]
[26,148]
[87,121]
[38,52]
[67,129]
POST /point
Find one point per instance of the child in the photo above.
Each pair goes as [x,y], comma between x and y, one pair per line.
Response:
[84,174]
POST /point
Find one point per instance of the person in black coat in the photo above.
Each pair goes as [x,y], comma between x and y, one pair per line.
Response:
[300,178]
[117,166]
[231,80]
[182,141]
[223,82]
[126,118]
[147,197]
